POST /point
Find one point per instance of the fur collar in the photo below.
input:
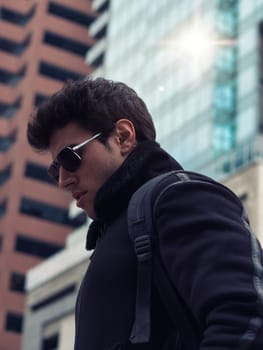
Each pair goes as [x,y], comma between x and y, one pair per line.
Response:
[146,161]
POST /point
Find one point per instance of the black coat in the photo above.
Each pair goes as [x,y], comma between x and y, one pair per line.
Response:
[212,258]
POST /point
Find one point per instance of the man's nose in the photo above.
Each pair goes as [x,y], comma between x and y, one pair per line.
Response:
[65,179]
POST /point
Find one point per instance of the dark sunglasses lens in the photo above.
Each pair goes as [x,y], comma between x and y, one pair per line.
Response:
[69,160]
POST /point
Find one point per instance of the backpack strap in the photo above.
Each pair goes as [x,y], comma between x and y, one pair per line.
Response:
[140,231]
[150,268]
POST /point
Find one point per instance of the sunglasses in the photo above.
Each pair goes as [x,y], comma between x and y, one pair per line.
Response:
[68,158]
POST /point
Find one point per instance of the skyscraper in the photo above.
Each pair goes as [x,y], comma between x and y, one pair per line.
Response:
[42,44]
[198,66]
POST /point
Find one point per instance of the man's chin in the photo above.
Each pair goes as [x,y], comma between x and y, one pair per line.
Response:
[90,212]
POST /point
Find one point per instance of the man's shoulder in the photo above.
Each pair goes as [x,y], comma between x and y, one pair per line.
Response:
[183,184]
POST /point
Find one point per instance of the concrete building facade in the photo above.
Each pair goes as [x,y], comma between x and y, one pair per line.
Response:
[53,286]
[42,44]
[248,185]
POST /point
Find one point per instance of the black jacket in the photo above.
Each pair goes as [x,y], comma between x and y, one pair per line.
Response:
[212,258]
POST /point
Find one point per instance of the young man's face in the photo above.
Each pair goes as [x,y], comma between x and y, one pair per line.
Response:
[98,161]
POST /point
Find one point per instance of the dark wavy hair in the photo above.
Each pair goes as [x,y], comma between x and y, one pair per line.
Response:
[94,104]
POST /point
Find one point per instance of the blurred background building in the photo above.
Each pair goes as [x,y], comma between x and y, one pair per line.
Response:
[42,44]
[198,66]
[196,63]
[53,286]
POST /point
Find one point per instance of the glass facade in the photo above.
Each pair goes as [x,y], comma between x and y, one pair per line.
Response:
[186,60]
[225,114]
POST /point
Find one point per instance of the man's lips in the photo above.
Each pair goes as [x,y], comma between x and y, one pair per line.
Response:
[78,195]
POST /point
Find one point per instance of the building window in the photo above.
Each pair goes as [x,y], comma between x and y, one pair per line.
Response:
[70,14]
[3,206]
[7,141]
[14,47]
[58,73]
[225,97]
[11,78]
[224,139]
[101,33]
[14,322]
[261,76]
[226,60]
[15,17]
[5,174]
[103,6]
[1,242]
[227,21]
[64,43]
[50,343]
[38,172]
[50,212]
[35,247]
[39,98]
[8,110]
[98,61]
[17,282]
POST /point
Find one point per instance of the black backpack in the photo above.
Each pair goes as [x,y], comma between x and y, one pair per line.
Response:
[150,268]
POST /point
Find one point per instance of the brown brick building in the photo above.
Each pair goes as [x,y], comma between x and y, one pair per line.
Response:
[42,44]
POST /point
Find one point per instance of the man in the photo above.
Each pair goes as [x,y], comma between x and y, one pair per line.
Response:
[102,141]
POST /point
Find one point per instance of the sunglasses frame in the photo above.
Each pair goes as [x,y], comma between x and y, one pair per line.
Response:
[53,169]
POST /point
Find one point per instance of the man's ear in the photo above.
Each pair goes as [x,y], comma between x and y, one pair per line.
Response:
[126,136]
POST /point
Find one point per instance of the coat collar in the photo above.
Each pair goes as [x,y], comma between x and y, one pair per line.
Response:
[146,161]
